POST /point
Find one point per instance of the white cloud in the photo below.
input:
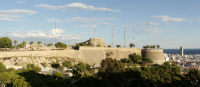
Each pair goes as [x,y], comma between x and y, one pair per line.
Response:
[9,19]
[52,19]
[130,26]
[188,20]
[60,35]
[154,31]
[166,18]
[84,33]
[10,16]
[198,18]
[75,7]
[84,26]
[81,19]
[21,2]
[104,23]
[147,23]
[166,24]
[17,11]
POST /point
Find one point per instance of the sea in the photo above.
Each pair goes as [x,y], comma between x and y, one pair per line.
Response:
[186,51]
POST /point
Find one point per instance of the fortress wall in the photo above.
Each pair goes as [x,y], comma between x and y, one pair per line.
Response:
[93,54]
[156,55]
[63,53]
[96,54]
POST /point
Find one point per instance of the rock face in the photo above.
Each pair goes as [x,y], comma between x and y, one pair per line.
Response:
[98,41]
[37,60]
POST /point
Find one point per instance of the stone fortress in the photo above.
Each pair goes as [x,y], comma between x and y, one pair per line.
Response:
[88,54]
[97,41]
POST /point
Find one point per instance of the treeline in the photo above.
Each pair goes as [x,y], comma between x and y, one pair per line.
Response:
[151,46]
[6,42]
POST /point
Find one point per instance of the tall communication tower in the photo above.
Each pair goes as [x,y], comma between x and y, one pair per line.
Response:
[94,34]
[124,35]
[112,37]
[133,37]
[55,31]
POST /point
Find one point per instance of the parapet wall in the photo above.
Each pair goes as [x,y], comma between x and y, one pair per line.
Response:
[96,54]
[93,54]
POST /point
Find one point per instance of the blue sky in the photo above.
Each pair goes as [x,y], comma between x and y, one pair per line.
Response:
[169,23]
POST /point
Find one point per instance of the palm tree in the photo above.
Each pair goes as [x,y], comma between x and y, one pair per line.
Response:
[45,46]
[39,42]
[31,43]
[24,43]
[15,41]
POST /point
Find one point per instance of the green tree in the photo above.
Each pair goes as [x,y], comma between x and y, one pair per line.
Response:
[15,41]
[60,45]
[55,64]
[109,45]
[67,64]
[131,45]
[50,44]
[147,60]
[153,46]
[2,67]
[5,42]
[24,44]
[39,43]
[45,64]
[158,46]
[118,46]
[81,66]
[32,67]
[89,43]
[31,43]
[58,75]
[147,46]
[136,58]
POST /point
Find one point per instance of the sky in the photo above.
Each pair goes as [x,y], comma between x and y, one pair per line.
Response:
[168,23]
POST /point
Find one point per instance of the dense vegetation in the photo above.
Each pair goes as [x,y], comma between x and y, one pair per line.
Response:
[60,45]
[5,42]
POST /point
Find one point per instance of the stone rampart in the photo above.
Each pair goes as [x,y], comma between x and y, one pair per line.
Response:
[92,54]
[156,55]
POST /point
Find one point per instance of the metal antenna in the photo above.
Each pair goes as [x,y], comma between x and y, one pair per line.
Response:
[133,36]
[124,35]
[94,34]
[112,37]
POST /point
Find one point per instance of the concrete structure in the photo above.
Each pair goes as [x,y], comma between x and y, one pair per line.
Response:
[92,54]
[156,55]
[181,51]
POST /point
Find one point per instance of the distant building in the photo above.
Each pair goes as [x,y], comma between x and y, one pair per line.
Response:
[181,51]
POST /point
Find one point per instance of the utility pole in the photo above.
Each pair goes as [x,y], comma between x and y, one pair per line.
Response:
[112,37]
[94,34]
[133,37]
[124,35]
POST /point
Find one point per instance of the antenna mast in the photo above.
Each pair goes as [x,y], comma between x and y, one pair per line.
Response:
[133,36]
[112,37]
[124,35]
[94,34]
